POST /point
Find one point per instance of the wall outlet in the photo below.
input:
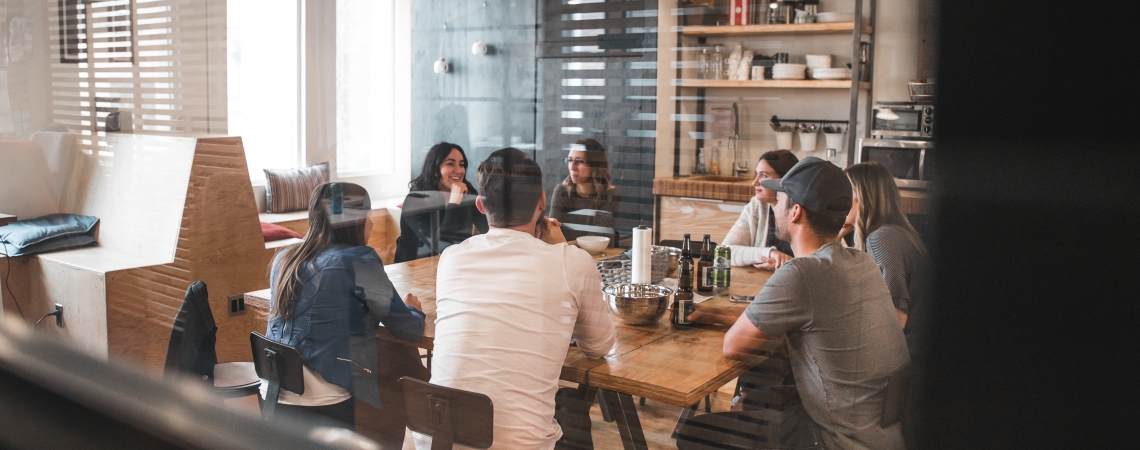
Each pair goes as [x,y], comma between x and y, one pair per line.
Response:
[237,304]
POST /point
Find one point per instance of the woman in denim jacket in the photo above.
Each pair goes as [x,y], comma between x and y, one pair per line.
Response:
[328,295]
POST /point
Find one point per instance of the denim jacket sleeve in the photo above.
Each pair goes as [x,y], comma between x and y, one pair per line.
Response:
[383,303]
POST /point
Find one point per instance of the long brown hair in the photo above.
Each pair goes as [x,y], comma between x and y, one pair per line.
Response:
[879,203]
[325,228]
[599,165]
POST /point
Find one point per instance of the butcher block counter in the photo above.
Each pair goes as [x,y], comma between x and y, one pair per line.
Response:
[698,205]
[710,204]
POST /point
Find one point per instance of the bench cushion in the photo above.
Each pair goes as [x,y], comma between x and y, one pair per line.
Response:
[290,189]
[272,232]
[48,233]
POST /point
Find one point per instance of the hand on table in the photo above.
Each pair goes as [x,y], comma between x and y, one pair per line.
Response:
[549,230]
[413,302]
[774,261]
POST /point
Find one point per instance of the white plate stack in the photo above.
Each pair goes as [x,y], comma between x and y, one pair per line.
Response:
[789,71]
[831,74]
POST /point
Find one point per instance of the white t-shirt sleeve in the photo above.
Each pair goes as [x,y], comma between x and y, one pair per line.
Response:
[593,328]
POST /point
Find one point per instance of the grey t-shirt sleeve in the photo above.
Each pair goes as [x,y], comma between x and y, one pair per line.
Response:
[783,304]
[890,250]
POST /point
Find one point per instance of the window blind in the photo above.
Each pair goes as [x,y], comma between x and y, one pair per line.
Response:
[163,61]
[598,70]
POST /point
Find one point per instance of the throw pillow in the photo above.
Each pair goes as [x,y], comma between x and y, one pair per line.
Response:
[273,232]
[21,237]
[289,189]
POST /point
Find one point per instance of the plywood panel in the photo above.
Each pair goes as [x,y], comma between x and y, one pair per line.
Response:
[80,292]
[137,187]
[14,283]
[677,216]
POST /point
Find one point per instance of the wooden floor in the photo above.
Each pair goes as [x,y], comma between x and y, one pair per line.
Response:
[657,420]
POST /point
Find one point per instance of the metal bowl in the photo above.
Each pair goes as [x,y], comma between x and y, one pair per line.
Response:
[637,304]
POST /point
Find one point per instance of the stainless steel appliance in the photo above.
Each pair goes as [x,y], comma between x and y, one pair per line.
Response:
[909,161]
[903,120]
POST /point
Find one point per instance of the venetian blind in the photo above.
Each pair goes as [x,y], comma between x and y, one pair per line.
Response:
[598,66]
[163,61]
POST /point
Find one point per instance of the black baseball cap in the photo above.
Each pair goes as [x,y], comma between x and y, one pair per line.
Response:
[817,185]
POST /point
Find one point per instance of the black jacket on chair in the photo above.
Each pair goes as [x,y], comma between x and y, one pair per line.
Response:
[191,348]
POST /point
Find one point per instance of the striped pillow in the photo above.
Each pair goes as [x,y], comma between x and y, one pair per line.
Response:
[289,189]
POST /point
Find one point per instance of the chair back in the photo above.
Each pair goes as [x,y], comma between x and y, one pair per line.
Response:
[192,338]
[449,416]
[897,396]
[280,365]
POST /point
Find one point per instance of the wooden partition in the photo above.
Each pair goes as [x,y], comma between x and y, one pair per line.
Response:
[172,210]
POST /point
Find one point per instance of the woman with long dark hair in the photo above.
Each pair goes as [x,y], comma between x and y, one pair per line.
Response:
[440,188]
[585,202]
[752,238]
[327,296]
[883,231]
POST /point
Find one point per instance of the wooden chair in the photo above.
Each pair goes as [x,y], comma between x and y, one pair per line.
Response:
[280,365]
[191,349]
[449,416]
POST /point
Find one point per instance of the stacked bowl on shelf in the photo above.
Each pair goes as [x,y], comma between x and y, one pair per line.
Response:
[788,71]
[819,68]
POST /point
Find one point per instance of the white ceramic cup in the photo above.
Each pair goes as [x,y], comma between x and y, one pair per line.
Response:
[783,140]
[757,72]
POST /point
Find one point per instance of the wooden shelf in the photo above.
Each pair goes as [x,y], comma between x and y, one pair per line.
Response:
[785,84]
[793,28]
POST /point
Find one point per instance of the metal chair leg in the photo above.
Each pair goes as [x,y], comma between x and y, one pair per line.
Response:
[708,404]
[606,416]
[641,401]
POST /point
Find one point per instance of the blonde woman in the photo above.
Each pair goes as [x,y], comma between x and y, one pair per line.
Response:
[883,231]
[752,238]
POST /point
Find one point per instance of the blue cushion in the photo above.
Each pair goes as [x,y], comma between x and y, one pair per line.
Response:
[20,237]
[50,245]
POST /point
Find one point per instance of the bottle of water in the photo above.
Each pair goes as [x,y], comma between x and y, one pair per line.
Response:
[717,65]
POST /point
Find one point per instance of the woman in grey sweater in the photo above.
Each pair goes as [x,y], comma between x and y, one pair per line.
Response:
[585,202]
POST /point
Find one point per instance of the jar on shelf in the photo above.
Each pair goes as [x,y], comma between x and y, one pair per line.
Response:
[703,64]
[716,65]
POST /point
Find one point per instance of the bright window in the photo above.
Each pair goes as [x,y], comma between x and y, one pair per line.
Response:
[263,75]
[366,68]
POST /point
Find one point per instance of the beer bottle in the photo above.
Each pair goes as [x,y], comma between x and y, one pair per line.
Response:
[704,266]
[683,298]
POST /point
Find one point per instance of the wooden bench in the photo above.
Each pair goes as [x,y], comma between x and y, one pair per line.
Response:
[172,210]
[385,229]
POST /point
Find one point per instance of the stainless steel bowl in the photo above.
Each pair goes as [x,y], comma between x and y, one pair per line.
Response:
[637,304]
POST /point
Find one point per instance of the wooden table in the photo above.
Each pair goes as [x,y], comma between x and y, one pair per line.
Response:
[658,362]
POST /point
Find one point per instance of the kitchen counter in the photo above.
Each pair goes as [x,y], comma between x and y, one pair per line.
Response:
[739,189]
[718,187]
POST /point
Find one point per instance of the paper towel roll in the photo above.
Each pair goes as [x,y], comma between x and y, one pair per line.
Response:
[642,255]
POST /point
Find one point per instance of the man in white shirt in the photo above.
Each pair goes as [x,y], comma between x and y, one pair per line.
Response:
[508,303]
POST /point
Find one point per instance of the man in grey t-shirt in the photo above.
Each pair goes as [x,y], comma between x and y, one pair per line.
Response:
[833,306]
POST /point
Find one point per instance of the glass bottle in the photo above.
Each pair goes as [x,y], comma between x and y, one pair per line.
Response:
[704,266]
[700,169]
[717,65]
[683,298]
[703,64]
[714,165]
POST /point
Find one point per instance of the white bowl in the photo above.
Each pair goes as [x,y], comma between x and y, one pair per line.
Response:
[789,67]
[593,244]
[835,17]
[818,61]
